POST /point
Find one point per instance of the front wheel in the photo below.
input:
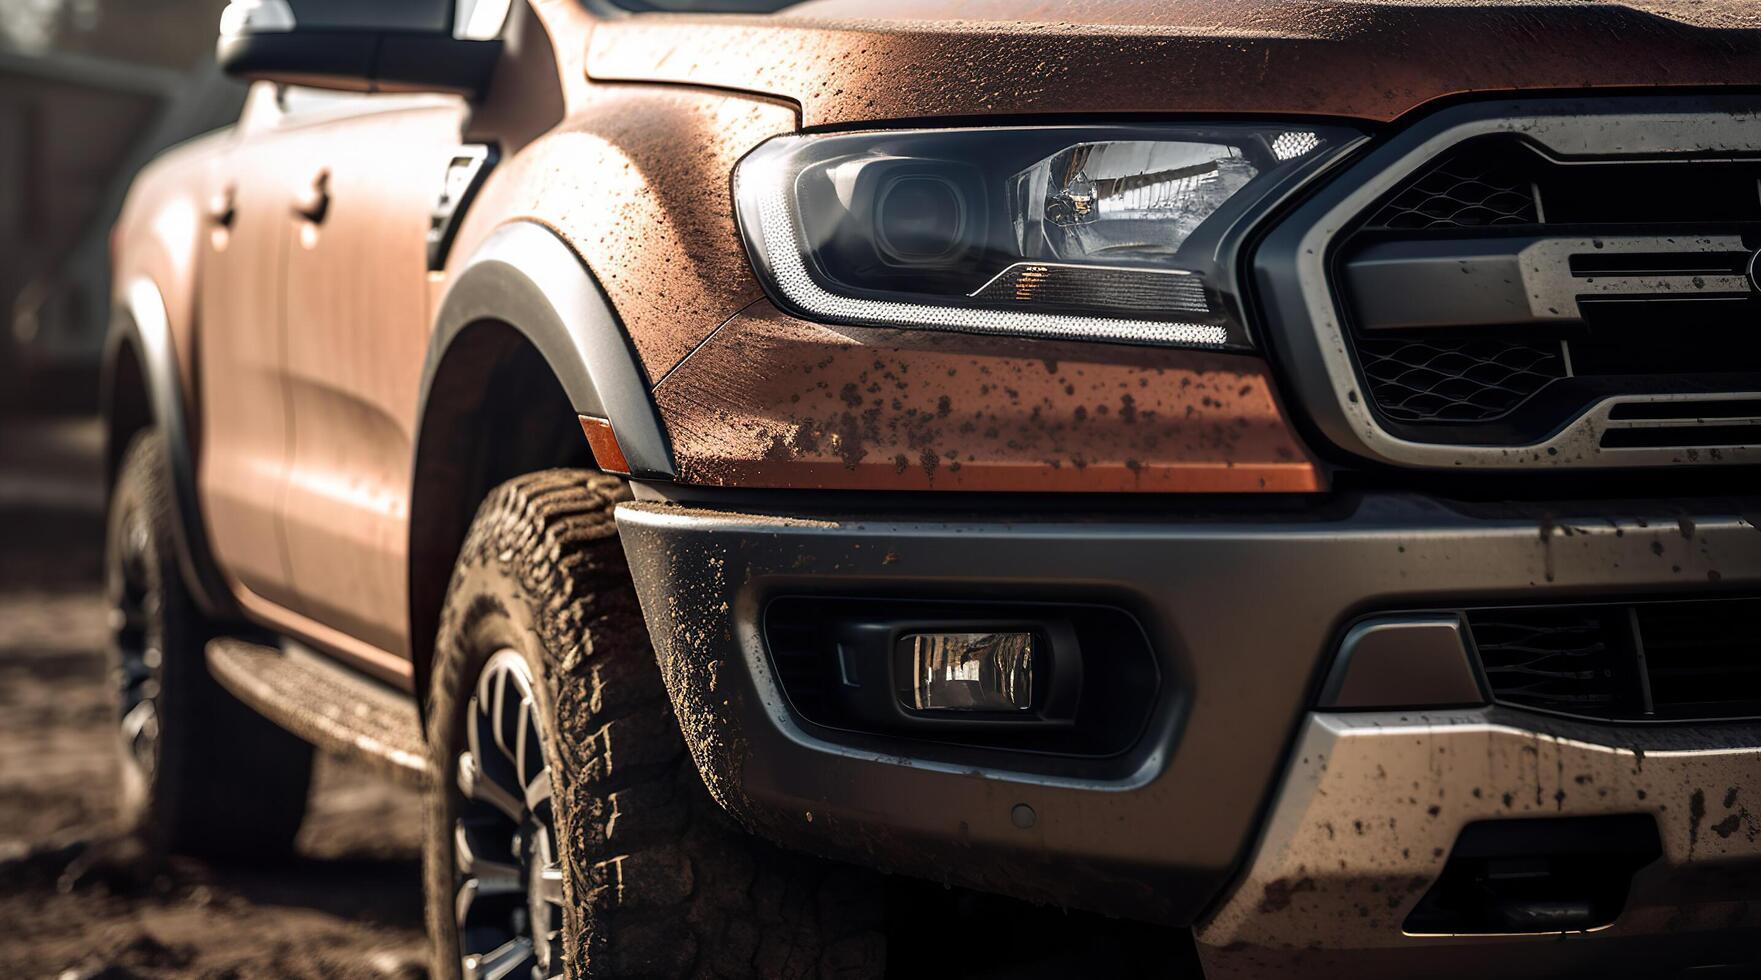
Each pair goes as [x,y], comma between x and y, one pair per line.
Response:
[569,831]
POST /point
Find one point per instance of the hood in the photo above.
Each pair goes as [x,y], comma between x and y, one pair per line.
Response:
[1363,59]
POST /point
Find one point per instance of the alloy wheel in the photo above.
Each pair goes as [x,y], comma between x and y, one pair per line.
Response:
[136,633]
[509,893]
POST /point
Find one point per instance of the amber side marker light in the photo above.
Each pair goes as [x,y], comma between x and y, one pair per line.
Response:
[604,442]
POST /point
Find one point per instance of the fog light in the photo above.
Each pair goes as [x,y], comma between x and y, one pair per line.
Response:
[966,671]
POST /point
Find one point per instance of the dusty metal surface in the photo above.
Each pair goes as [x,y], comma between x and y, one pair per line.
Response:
[1370,60]
[1246,662]
[774,401]
[1373,802]
[163,216]
[634,179]
[637,183]
[325,705]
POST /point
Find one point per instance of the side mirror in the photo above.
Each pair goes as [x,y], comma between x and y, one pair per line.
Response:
[364,45]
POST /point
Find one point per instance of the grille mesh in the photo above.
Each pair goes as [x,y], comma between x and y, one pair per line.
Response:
[1555,659]
[1473,189]
[1650,661]
[1522,347]
[1473,380]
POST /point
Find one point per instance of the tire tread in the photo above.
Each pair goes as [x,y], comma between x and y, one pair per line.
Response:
[660,882]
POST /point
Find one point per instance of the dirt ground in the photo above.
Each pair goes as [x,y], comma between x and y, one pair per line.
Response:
[75,902]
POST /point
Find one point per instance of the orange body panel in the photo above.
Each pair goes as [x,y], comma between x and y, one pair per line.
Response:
[312,333]
[637,183]
[774,401]
[357,328]
[1367,59]
[243,407]
[301,342]
[160,239]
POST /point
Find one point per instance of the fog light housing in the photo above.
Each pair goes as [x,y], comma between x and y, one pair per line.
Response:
[977,672]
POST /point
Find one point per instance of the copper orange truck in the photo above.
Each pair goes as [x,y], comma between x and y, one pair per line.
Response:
[1263,488]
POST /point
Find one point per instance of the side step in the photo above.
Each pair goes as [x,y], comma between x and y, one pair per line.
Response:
[325,704]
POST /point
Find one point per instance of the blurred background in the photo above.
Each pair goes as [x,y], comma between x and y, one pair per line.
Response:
[89,91]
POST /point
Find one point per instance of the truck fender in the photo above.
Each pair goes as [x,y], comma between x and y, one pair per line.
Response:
[524,276]
[139,323]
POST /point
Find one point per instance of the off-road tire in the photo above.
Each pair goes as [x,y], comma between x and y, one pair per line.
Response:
[223,781]
[657,880]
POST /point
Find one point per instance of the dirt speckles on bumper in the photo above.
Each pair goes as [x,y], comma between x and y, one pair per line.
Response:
[1372,804]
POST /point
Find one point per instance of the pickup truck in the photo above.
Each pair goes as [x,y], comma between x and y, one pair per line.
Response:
[1279,477]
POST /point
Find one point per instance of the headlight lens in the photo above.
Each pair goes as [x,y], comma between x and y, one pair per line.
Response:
[1123,233]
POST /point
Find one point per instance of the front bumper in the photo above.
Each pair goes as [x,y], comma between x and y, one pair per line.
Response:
[1372,803]
[1243,611]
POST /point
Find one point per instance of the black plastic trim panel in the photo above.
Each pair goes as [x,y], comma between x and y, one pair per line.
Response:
[523,275]
[140,322]
[368,61]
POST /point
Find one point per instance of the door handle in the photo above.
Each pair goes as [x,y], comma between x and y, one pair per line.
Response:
[223,206]
[314,202]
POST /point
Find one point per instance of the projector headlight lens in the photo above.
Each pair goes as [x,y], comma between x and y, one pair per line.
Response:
[1121,233]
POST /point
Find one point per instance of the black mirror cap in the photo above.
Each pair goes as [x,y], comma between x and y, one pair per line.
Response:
[362,61]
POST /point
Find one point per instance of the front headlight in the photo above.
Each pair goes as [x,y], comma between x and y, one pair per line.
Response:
[1121,233]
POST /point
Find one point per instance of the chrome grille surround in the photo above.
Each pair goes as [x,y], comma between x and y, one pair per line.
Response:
[1304,317]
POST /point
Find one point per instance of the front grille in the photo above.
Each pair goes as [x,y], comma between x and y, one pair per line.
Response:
[1472,189]
[1654,661]
[1469,380]
[1499,293]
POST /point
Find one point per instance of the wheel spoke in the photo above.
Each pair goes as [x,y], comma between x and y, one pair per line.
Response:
[486,687]
[140,732]
[138,719]
[549,884]
[525,740]
[133,620]
[480,787]
[511,886]
[462,902]
[538,790]
[474,737]
[482,722]
[500,962]
[498,715]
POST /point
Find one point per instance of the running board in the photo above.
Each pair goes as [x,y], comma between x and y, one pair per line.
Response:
[325,704]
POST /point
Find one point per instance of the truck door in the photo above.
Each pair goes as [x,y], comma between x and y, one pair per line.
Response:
[243,429]
[357,332]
